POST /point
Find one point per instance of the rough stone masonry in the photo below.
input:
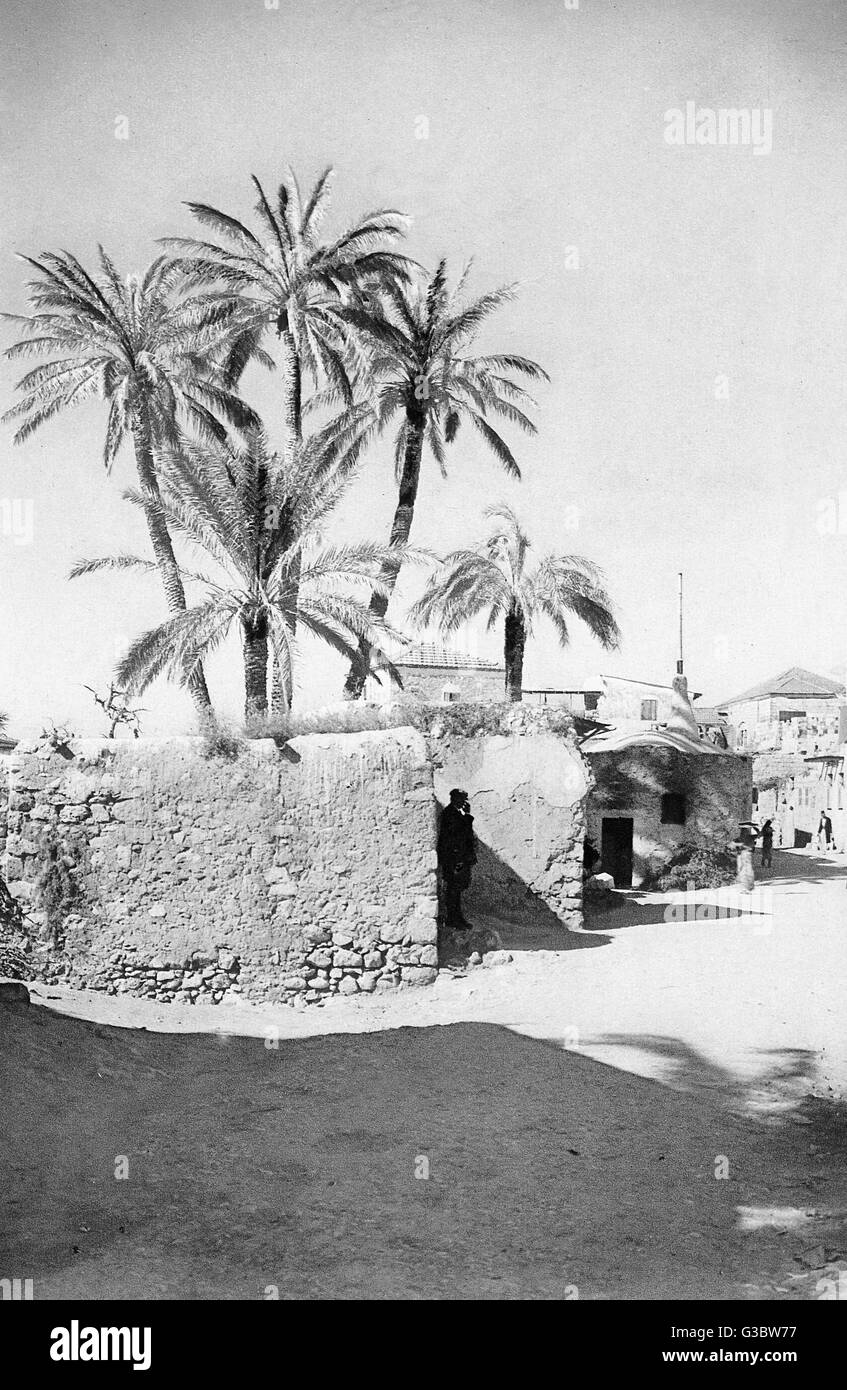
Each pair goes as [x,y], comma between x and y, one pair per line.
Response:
[284,874]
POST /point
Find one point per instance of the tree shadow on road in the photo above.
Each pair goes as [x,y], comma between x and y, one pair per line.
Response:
[776,1093]
[455,1162]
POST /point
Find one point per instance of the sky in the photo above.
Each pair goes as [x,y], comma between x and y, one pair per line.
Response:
[687,300]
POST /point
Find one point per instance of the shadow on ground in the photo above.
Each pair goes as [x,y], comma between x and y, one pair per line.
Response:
[633,908]
[789,866]
[508,914]
[293,1168]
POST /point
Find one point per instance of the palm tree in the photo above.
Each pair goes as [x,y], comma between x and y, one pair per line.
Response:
[286,280]
[420,335]
[128,342]
[257,518]
[495,578]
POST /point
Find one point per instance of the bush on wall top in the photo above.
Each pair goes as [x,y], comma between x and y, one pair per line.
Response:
[472,720]
[461,719]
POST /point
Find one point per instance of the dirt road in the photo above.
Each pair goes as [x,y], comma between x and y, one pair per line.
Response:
[654,1109]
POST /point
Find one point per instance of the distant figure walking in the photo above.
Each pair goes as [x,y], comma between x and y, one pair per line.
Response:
[766,834]
[824,832]
[456,856]
[745,844]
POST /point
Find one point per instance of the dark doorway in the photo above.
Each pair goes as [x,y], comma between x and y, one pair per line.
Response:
[616,849]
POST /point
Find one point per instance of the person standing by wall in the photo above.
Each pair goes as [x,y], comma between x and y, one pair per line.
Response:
[766,835]
[825,832]
[456,856]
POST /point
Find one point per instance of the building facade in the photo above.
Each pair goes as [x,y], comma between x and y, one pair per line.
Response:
[582,702]
[634,703]
[796,711]
[657,789]
[434,675]
[802,793]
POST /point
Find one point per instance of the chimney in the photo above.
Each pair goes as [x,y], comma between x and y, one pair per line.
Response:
[682,719]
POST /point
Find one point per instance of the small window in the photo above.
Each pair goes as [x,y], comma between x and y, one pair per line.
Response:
[450,695]
[650,710]
[673,809]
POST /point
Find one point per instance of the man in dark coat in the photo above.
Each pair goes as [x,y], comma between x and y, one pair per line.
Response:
[824,831]
[456,856]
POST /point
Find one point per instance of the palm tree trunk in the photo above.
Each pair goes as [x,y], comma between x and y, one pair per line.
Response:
[255,636]
[514,645]
[292,438]
[401,528]
[163,549]
[292,423]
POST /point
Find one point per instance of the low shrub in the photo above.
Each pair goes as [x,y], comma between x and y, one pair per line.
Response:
[698,865]
[221,742]
[468,720]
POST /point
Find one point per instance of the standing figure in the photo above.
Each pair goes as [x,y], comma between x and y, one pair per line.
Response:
[590,857]
[456,856]
[824,832]
[766,834]
[745,844]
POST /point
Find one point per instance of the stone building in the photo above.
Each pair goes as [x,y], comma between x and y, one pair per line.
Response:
[659,788]
[798,790]
[793,711]
[435,675]
[527,781]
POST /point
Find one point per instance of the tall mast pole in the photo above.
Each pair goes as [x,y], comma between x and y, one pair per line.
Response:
[679,661]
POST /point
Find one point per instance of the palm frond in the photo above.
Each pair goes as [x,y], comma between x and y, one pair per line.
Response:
[497,445]
[112,562]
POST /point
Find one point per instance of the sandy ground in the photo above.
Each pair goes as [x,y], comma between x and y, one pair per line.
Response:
[572,1108]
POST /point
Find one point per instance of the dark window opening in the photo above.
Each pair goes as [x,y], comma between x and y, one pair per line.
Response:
[673,809]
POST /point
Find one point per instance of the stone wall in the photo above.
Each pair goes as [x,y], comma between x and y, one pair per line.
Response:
[527,783]
[779,766]
[631,782]
[285,874]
